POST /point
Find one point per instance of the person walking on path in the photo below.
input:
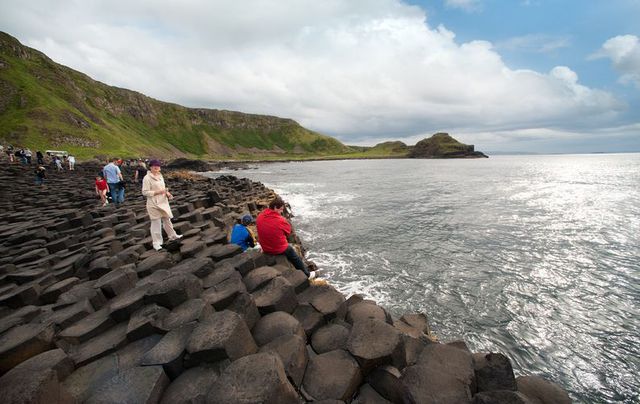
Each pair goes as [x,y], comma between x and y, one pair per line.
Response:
[113,175]
[158,208]
[273,230]
[72,163]
[241,235]
[40,158]
[101,190]
[10,153]
[141,171]
[40,175]
[58,162]
[28,155]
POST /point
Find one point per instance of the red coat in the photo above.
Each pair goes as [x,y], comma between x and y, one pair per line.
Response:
[273,230]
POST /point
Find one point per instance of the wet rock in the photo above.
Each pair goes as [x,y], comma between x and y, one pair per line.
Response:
[23,342]
[493,372]
[442,373]
[385,380]
[292,351]
[140,384]
[500,397]
[418,321]
[332,375]
[175,290]
[169,352]
[330,338]
[373,343]
[277,295]
[187,312]
[541,391]
[276,324]
[224,335]
[258,378]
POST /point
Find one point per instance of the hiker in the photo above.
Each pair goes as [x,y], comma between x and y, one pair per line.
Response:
[141,171]
[101,189]
[273,230]
[28,155]
[241,235]
[158,208]
[72,163]
[10,153]
[40,157]
[40,175]
[113,175]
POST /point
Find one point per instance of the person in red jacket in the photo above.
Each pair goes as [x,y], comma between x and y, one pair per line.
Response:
[273,230]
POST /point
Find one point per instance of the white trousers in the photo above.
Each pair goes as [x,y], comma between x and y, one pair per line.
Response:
[156,230]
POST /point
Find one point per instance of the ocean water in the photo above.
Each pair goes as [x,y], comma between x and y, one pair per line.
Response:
[537,257]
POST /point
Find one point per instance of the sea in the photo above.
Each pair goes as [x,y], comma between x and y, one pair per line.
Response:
[536,257]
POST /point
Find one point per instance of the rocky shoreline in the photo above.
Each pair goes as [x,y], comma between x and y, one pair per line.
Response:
[89,312]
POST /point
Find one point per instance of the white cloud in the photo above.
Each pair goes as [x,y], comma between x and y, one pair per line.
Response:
[466,5]
[354,69]
[536,43]
[624,52]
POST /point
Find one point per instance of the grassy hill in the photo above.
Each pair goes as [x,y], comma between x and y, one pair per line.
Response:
[44,105]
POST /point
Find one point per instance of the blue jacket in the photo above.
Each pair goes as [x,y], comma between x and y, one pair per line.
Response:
[242,237]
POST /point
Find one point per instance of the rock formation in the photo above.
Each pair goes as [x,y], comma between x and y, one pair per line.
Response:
[89,312]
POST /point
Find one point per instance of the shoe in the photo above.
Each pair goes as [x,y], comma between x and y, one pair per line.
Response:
[157,248]
[177,237]
[312,275]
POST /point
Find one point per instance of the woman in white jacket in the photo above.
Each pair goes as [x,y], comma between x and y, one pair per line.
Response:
[158,205]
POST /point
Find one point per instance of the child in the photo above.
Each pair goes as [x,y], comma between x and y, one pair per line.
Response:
[101,190]
[241,235]
[40,175]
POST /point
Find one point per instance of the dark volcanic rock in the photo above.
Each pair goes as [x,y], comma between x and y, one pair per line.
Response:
[373,343]
[23,342]
[493,372]
[501,397]
[258,378]
[275,325]
[174,290]
[277,295]
[144,384]
[170,351]
[541,391]
[224,335]
[330,337]
[191,386]
[293,352]
[189,311]
[146,321]
[332,375]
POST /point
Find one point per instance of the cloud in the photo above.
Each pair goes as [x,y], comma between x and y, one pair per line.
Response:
[466,5]
[534,43]
[352,69]
[624,52]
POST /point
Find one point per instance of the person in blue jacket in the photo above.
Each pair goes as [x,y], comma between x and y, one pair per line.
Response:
[242,236]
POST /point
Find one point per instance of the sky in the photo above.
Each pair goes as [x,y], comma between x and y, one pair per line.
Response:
[545,76]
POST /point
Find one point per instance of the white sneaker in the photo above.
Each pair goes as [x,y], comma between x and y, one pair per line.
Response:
[312,275]
[157,247]
[177,237]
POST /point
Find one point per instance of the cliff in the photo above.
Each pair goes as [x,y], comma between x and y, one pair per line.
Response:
[44,105]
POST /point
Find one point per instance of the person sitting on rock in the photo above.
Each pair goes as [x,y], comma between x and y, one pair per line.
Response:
[158,205]
[101,190]
[241,235]
[273,230]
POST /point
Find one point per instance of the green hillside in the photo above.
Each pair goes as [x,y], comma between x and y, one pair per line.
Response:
[44,105]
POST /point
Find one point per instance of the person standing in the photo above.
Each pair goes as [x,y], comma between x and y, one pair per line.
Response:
[273,230]
[241,235]
[40,157]
[58,163]
[40,175]
[141,171]
[72,163]
[28,155]
[113,175]
[158,208]
[10,153]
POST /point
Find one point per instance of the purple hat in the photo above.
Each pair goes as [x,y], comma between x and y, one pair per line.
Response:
[155,163]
